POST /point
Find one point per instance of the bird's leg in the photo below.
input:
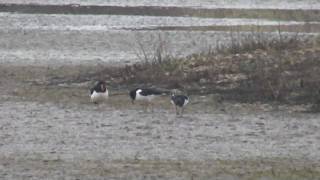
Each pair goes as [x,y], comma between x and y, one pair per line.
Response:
[99,105]
[96,105]
[177,111]
[174,108]
[145,106]
[151,103]
[149,106]
[181,113]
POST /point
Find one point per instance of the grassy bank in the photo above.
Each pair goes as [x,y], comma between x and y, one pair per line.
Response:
[284,69]
[250,69]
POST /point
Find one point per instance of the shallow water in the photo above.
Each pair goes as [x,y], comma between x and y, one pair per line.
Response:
[274,4]
[115,22]
[33,39]
[118,47]
[51,39]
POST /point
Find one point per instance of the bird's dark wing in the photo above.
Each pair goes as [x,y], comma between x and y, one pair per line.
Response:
[184,97]
[179,100]
[91,90]
[132,93]
[147,92]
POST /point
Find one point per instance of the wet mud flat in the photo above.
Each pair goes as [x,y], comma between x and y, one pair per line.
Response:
[83,141]
[51,130]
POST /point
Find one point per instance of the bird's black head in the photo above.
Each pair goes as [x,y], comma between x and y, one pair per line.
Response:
[103,86]
[100,86]
[174,92]
[172,95]
[133,95]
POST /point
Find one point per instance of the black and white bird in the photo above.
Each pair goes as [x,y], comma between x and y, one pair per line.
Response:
[179,101]
[144,94]
[99,92]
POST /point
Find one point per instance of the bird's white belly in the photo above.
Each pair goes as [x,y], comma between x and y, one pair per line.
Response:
[185,102]
[139,97]
[98,97]
[172,102]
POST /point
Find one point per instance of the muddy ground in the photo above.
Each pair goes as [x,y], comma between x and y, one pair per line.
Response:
[50,130]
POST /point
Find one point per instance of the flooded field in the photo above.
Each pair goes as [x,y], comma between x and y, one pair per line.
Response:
[40,39]
[50,130]
[119,33]
[54,47]
[283,4]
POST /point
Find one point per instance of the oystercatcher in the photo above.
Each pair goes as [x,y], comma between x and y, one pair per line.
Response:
[99,92]
[144,95]
[179,101]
